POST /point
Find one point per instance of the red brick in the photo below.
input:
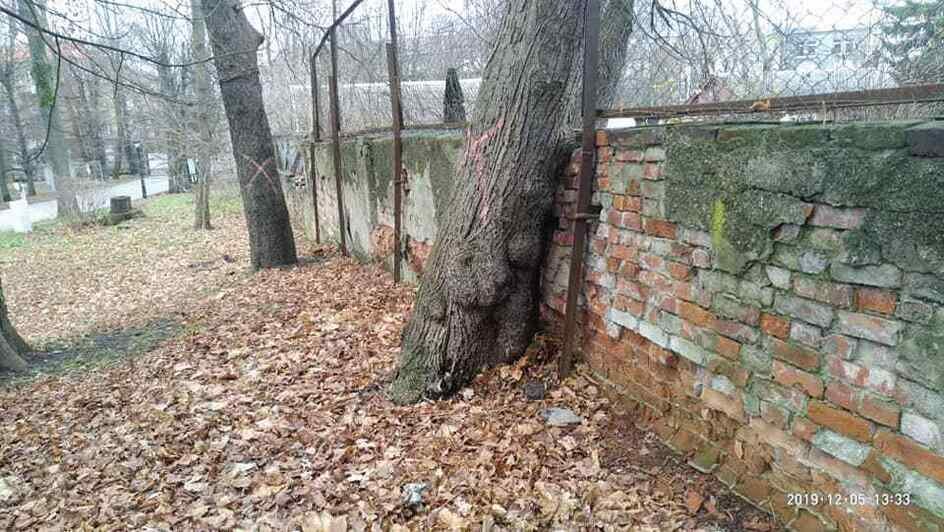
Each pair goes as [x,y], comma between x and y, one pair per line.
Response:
[623,252]
[652,262]
[775,326]
[682,290]
[727,347]
[839,346]
[912,454]
[629,270]
[733,329]
[694,313]
[631,288]
[837,295]
[660,228]
[613,264]
[840,421]
[791,377]
[827,216]
[602,139]
[804,428]
[629,156]
[627,220]
[679,271]
[625,304]
[880,411]
[842,395]
[652,171]
[847,371]
[627,203]
[794,354]
[876,300]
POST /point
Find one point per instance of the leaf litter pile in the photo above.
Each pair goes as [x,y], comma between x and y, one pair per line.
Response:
[269,414]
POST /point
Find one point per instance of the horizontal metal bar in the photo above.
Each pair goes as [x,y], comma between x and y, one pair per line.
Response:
[928,93]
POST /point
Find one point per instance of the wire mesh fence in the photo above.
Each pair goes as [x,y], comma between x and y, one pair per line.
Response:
[755,50]
[430,50]
[679,53]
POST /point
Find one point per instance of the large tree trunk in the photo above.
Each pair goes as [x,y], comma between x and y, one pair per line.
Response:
[235,41]
[477,301]
[12,345]
[201,81]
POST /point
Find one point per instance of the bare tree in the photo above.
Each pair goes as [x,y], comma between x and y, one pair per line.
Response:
[46,78]
[201,196]
[235,42]
[9,73]
[477,300]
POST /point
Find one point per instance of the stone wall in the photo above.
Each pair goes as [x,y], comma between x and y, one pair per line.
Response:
[769,300]
[367,189]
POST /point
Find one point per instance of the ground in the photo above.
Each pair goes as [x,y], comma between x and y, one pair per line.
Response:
[177,391]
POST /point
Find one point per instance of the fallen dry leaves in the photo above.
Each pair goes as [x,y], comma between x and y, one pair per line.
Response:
[268,416]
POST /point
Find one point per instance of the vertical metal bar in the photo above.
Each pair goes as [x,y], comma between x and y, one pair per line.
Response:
[393,69]
[315,137]
[336,138]
[584,188]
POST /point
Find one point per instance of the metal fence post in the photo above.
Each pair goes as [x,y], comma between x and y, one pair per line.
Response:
[584,188]
[393,69]
[336,139]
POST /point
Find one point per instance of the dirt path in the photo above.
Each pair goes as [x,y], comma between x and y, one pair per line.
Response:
[265,414]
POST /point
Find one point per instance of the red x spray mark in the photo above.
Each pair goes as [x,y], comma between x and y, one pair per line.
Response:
[260,170]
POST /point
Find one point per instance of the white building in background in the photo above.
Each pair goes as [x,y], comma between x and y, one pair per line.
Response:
[834,60]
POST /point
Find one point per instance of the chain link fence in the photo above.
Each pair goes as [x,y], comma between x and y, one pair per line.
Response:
[757,50]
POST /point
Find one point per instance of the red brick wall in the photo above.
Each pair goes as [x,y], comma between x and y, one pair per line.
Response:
[773,379]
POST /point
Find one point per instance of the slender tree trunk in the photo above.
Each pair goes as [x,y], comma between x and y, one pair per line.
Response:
[46,79]
[23,153]
[4,172]
[477,301]
[12,345]
[201,81]
[271,241]
[124,150]
[95,125]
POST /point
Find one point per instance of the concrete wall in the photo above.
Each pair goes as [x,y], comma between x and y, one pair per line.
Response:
[367,188]
[770,301]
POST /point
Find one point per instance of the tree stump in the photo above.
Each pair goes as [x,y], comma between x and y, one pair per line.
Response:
[120,210]
[120,205]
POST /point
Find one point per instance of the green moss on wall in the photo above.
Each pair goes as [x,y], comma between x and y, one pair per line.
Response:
[764,174]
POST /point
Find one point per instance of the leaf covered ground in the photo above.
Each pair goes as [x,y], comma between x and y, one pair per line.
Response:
[264,410]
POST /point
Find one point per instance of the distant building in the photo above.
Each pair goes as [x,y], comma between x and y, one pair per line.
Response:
[828,61]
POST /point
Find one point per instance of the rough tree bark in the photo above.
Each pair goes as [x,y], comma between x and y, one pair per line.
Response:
[46,80]
[201,82]
[12,345]
[235,41]
[477,304]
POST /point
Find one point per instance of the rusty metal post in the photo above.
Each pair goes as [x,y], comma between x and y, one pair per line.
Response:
[591,44]
[315,137]
[336,140]
[393,69]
